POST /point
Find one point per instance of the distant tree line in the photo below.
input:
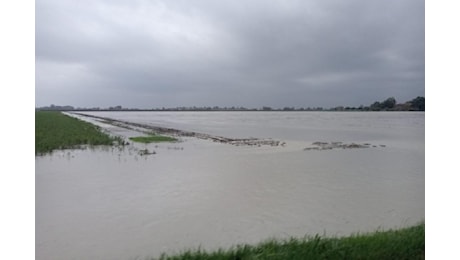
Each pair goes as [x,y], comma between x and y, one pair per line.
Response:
[56,108]
[389,104]
[416,104]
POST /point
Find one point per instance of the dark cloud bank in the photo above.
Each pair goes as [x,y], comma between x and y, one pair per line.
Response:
[148,54]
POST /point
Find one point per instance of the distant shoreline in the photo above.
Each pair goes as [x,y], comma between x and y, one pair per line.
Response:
[389,104]
[212,110]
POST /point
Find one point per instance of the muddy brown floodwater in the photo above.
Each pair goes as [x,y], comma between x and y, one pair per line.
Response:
[126,203]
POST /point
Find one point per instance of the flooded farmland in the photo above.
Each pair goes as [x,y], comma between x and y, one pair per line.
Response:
[294,173]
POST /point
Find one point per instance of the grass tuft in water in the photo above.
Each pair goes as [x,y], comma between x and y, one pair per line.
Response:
[406,243]
[152,139]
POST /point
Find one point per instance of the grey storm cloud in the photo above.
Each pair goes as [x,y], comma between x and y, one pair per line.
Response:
[148,54]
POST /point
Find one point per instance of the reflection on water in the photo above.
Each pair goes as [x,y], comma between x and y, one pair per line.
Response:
[113,203]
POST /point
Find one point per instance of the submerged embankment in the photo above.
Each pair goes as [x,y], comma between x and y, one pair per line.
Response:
[183,133]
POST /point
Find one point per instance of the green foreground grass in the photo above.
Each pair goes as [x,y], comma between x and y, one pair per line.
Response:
[54,130]
[407,243]
[152,139]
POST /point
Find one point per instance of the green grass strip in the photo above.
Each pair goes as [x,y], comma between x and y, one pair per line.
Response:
[54,130]
[407,243]
[152,139]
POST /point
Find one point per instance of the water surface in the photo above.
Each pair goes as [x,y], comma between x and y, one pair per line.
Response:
[113,203]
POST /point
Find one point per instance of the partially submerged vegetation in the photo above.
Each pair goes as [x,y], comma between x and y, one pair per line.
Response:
[54,130]
[407,243]
[320,146]
[152,139]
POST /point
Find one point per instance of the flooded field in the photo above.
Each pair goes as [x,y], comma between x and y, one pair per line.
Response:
[329,173]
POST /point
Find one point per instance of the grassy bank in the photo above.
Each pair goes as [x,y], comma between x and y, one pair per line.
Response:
[407,243]
[54,130]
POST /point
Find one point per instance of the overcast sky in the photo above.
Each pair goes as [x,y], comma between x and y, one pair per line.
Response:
[304,53]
